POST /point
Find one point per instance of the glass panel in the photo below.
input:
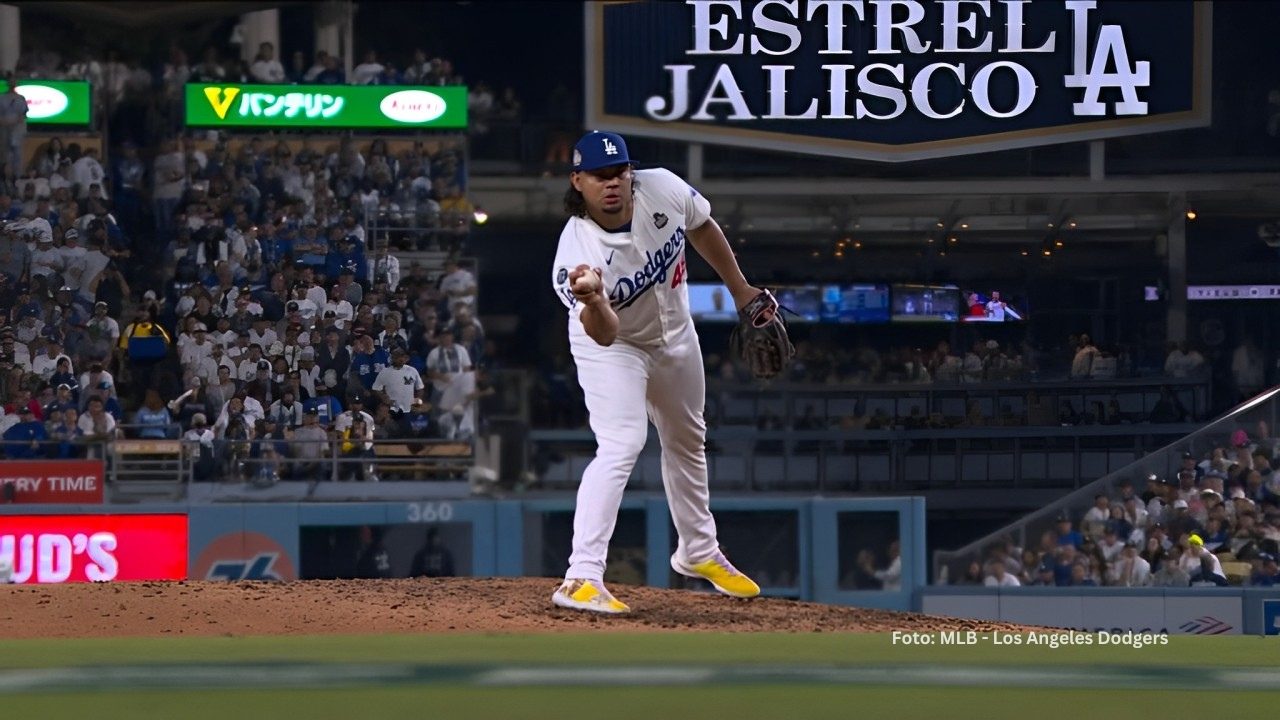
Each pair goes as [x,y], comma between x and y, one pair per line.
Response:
[548,541]
[764,544]
[385,551]
[869,550]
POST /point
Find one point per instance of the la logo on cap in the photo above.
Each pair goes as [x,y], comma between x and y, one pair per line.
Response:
[610,148]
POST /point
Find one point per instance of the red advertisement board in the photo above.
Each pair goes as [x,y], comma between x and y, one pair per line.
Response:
[93,548]
[53,481]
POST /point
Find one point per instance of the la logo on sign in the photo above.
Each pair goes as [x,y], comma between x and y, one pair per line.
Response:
[221,106]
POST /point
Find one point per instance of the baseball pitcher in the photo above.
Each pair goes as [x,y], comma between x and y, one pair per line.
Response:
[620,272]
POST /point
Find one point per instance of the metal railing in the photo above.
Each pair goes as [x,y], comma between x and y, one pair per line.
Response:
[143,467]
[878,460]
[1163,463]
[1011,404]
[923,436]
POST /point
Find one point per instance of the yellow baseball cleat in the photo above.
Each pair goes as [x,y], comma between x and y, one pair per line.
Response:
[588,595]
[721,574]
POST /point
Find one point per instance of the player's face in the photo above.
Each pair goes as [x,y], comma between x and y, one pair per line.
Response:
[607,190]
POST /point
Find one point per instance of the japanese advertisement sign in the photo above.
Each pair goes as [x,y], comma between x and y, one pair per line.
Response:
[52,481]
[92,548]
[55,102]
[326,106]
[896,79]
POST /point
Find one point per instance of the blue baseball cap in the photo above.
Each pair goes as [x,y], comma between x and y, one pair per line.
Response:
[598,150]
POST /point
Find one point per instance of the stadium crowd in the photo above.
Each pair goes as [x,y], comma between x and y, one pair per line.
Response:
[1220,510]
[223,291]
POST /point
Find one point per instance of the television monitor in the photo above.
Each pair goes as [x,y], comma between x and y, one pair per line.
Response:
[926,303]
[865,303]
[804,302]
[991,306]
[711,302]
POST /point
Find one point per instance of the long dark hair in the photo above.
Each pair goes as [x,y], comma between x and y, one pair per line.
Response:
[576,205]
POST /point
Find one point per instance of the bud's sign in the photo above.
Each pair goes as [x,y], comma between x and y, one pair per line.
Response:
[52,481]
[896,79]
[92,548]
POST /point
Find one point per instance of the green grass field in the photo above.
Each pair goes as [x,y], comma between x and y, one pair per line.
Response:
[616,676]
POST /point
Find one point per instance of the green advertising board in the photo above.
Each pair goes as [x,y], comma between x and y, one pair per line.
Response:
[54,102]
[336,107]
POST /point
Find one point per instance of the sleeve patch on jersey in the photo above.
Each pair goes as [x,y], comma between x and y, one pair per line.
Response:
[561,275]
[692,192]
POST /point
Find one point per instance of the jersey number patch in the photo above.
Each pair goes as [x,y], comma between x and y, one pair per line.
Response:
[678,275]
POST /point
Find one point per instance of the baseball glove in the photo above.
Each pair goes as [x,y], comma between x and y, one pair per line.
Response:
[760,337]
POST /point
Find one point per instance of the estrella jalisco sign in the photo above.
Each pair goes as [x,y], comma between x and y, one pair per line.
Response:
[897,79]
[336,107]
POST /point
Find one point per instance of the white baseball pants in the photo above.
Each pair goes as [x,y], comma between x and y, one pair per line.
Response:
[626,387]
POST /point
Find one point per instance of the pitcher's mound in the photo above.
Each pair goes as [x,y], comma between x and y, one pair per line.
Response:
[311,607]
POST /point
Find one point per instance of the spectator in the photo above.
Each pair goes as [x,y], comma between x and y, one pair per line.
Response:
[1248,369]
[1111,546]
[1080,576]
[1044,573]
[97,424]
[997,576]
[65,434]
[296,74]
[25,440]
[457,283]
[287,411]
[1171,572]
[266,68]
[1095,520]
[368,71]
[153,419]
[331,72]
[13,127]
[367,360]
[1086,354]
[87,172]
[433,559]
[356,447]
[399,384]
[169,178]
[446,365]
[355,411]
[234,421]
[1265,572]
[193,402]
[1065,558]
[1068,536]
[1182,522]
[201,438]
[890,576]
[1200,564]
[1130,569]
[1183,361]
[309,446]
[317,68]
[458,423]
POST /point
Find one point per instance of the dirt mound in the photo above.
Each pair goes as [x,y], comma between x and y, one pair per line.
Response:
[419,605]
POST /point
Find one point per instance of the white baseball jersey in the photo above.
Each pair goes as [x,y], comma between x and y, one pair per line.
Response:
[643,269]
[400,384]
[653,373]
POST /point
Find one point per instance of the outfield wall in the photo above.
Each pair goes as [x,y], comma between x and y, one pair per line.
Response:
[1179,611]
[804,548]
